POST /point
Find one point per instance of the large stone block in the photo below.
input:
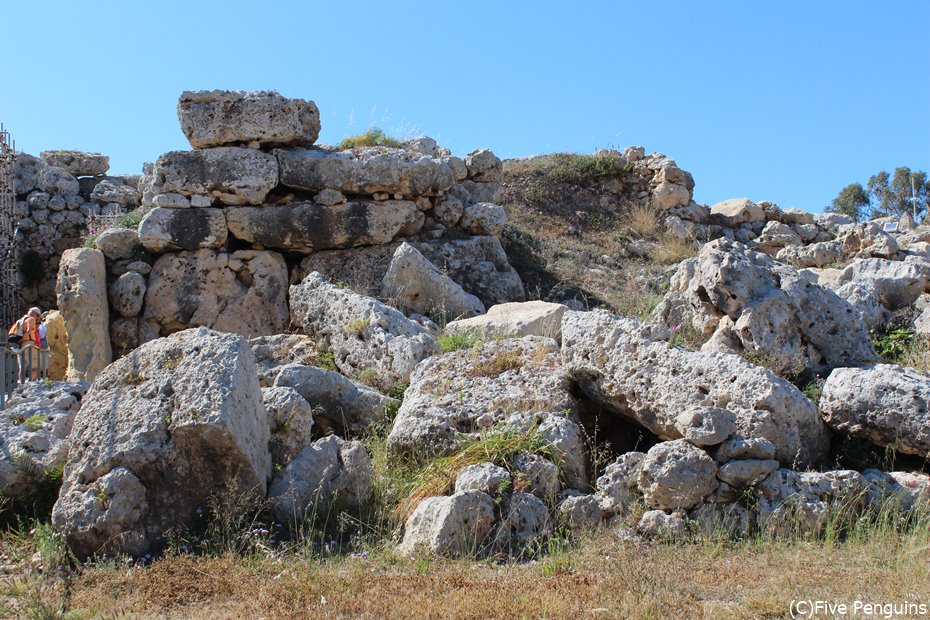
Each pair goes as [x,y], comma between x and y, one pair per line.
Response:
[232,175]
[478,264]
[307,226]
[78,163]
[167,230]
[365,336]
[885,404]
[364,171]
[244,292]
[259,118]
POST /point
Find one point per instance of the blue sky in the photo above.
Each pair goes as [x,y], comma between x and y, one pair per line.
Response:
[785,101]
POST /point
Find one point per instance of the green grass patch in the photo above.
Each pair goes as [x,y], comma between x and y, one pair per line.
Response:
[499,446]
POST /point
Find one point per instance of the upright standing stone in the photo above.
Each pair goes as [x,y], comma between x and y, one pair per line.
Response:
[82,300]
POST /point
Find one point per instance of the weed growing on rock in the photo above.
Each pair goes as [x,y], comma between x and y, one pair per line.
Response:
[459,342]
[501,362]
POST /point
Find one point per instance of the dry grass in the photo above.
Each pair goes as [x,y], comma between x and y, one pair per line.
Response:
[643,219]
[917,355]
[671,250]
[499,363]
[604,578]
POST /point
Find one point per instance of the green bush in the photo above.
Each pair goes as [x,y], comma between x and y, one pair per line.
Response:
[892,346]
[372,137]
[573,168]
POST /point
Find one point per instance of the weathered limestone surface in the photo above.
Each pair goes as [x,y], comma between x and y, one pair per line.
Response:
[78,163]
[172,230]
[243,292]
[886,404]
[364,335]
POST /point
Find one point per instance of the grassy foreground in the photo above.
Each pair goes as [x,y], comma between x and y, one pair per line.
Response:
[601,576]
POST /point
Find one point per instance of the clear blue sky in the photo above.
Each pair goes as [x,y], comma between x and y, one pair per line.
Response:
[784,101]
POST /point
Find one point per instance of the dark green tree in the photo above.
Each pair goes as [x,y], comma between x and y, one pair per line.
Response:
[893,194]
[852,200]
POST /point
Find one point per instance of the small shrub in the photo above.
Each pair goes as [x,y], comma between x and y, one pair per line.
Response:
[372,137]
[134,379]
[560,559]
[793,370]
[536,195]
[369,377]
[686,336]
[328,361]
[459,342]
[814,389]
[133,218]
[35,422]
[499,445]
[356,326]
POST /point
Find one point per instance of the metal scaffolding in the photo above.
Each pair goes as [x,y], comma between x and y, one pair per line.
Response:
[9,289]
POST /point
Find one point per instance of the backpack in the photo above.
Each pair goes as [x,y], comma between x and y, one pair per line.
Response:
[15,334]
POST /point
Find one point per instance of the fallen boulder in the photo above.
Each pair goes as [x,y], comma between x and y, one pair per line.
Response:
[328,471]
[632,371]
[364,335]
[676,474]
[886,404]
[454,525]
[162,434]
[478,264]
[512,383]
[341,405]
[748,302]
[513,320]
[413,284]
[34,429]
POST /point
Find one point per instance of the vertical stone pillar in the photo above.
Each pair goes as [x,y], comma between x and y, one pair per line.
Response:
[82,300]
